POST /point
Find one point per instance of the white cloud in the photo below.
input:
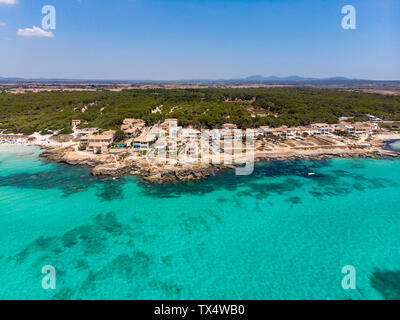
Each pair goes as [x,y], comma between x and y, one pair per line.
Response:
[35,32]
[9,1]
[3,24]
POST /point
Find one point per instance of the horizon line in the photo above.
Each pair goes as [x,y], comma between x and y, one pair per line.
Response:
[254,78]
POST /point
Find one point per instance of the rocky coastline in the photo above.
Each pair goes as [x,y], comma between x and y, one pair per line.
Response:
[117,165]
[372,154]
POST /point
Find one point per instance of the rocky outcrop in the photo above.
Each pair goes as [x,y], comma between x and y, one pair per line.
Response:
[72,157]
[110,170]
[161,175]
[373,154]
[155,174]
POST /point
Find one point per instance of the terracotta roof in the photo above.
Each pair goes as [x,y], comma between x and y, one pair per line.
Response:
[230,125]
[321,125]
[100,137]
[153,130]
[110,132]
[144,139]
[132,130]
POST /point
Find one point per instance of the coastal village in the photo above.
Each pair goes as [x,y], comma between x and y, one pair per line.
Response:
[171,137]
[169,152]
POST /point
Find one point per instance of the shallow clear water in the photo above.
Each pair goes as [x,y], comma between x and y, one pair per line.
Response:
[395,145]
[278,234]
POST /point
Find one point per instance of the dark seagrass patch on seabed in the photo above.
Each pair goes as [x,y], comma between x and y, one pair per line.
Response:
[294,200]
[386,282]
[228,180]
[111,189]
[69,179]
[94,239]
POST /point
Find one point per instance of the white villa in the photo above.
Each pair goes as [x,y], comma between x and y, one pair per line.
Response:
[143,142]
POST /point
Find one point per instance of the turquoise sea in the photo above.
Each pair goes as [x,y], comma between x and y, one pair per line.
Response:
[277,234]
[395,145]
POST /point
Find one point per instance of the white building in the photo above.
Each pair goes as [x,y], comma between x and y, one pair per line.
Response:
[190,134]
[143,142]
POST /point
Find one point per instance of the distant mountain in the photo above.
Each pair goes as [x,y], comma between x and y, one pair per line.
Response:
[292,78]
[343,79]
[255,78]
[270,79]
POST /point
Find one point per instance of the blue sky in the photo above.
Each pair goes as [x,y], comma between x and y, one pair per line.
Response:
[181,39]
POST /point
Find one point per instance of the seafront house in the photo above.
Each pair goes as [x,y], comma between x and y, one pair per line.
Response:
[227,134]
[84,140]
[110,133]
[157,132]
[267,131]
[209,136]
[98,142]
[100,138]
[289,132]
[192,150]
[169,123]
[161,144]
[98,147]
[362,128]
[264,130]
[250,133]
[171,126]
[125,127]
[131,133]
[172,144]
[144,142]
[167,135]
[322,129]
[339,128]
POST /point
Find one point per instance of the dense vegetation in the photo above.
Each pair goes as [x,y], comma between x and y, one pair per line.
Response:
[211,107]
